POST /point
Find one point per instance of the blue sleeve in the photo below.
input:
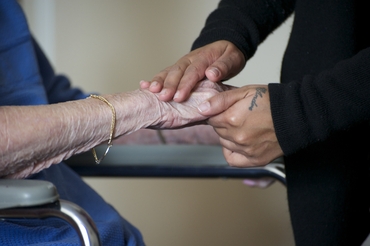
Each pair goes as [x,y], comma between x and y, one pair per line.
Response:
[26,76]
[20,81]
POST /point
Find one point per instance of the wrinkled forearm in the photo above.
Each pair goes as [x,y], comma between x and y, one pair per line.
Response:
[35,137]
[202,134]
[199,134]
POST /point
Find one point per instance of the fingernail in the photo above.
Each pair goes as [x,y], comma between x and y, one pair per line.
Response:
[215,71]
[153,84]
[163,92]
[204,106]
[249,182]
[143,82]
[177,94]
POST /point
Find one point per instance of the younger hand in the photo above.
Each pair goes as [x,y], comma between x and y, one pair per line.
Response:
[217,61]
[244,123]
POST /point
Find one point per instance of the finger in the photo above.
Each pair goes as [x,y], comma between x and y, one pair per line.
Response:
[167,80]
[231,120]
[235,159]
[233,147]
[175,79]
[220,60]
[238,156]
[144,84]
[224,133]
[192,75]
[219,103]
[184,89]
[222,124]
[260,182]
[155,86]
[229,64]
[157,81]
[254,155]
[223,69]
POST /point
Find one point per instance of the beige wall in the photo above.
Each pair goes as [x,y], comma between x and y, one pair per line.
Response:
[109,46]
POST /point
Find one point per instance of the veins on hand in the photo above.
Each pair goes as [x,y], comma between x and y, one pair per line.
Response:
[259,93]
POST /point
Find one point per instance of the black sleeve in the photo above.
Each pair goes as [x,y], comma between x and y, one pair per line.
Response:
[245,23]
[308,111]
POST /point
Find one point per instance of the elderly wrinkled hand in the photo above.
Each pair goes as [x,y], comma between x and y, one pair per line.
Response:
[79,125]
[175,115]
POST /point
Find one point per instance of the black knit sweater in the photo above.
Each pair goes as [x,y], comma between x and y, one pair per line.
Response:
[325,77]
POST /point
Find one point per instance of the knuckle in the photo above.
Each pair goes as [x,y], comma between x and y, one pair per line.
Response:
[233,119]
[195,73]
[165,71]
[175,68]
[203,53]
[241,139]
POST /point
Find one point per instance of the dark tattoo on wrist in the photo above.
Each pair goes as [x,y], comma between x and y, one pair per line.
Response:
[259,93]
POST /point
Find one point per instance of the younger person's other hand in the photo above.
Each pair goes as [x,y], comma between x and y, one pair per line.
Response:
[217,61]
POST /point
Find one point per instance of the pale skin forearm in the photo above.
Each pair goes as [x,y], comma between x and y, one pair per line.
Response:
[200,134]
[34,137]
[38,136]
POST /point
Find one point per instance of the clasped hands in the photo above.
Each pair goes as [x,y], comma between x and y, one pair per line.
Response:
[242,119]
[240,116]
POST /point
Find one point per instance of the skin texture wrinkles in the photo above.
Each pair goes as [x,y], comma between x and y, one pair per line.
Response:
[45,135]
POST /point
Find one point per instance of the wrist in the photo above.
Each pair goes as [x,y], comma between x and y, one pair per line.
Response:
[134,110]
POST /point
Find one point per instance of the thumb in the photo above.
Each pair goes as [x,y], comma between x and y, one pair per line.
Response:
[219,103]
[229,64]
[223,69]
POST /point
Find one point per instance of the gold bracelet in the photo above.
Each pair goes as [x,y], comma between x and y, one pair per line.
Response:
[113,124]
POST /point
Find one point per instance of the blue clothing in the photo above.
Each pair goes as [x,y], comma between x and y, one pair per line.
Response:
[27,78]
